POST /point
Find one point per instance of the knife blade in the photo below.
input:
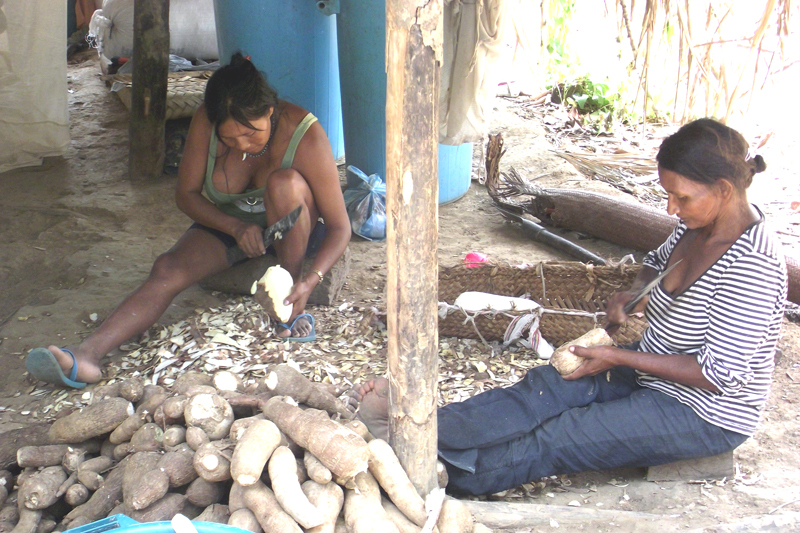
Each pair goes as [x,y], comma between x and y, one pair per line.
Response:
[273,233]
[628,307]
[631,304]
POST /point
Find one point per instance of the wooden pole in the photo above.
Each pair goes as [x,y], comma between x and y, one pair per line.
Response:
[149,91]
[414,49]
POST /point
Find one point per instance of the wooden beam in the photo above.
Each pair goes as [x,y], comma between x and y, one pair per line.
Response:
[530,516]
[414,49]
[513,515]
[149,90]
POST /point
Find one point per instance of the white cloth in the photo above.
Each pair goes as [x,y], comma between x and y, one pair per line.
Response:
[34,121]
[473,35]
[192,29]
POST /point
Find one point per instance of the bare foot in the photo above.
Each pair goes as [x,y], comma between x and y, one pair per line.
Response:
[88,370]
[372,401]
[301,328]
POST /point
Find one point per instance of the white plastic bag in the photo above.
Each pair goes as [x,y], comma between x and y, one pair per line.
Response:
[192,29]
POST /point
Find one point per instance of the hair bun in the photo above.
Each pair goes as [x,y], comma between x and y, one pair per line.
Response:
[237,60]
[758,164]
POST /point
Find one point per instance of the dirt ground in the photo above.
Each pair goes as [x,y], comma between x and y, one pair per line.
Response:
[78,236]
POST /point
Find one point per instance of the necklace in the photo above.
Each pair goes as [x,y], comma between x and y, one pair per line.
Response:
[245,155]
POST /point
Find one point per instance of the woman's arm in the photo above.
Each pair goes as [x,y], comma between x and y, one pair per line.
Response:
[189,197]
[615,304]
[314,161]
[744,320]
[680,368]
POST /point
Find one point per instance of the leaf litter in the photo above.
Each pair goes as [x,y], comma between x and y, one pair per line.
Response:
[351,347]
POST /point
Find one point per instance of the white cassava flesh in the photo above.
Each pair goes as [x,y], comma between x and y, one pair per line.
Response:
[277,284]
[211,413]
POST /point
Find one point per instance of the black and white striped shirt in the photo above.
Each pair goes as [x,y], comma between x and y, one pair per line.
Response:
[730,320]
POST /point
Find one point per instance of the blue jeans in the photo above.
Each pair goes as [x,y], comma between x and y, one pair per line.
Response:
[544,425]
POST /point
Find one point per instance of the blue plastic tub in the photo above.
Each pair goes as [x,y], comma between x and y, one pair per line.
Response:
[455,171]
[294,44]
[129,525]
[361,26]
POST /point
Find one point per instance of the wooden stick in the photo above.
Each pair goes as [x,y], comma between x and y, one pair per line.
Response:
[149,90]
[413,52]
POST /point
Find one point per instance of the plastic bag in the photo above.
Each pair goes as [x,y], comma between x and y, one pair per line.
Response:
[366,205]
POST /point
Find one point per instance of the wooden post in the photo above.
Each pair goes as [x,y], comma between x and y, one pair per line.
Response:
[414,49]
[149,91]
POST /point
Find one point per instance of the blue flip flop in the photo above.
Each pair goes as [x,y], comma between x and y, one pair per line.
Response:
[310,337]
[42,365]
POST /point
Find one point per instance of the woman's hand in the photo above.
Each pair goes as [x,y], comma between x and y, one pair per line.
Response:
[598,360]
[250,239]
[299,296]
[615,305]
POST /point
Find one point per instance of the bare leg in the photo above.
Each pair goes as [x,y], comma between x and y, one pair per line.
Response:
[372,400]
[286,189]
[196,255]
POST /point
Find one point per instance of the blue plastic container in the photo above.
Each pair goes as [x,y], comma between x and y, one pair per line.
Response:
[361,26]
[294,44]
[126,524]
[455,171]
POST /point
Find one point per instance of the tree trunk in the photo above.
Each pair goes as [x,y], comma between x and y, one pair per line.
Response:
[149,90]
[414,49]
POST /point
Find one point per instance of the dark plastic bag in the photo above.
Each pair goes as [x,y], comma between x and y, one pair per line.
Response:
[366,205]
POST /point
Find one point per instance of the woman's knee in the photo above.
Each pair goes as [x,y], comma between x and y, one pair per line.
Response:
[170,273]
[286,183]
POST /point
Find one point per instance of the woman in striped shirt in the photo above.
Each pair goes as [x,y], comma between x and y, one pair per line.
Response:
[694,386]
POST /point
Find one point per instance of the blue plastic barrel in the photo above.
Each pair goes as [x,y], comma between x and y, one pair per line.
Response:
[294,44]
[361,26]
[124,524]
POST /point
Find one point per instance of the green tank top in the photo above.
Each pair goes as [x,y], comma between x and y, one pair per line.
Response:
[248,205]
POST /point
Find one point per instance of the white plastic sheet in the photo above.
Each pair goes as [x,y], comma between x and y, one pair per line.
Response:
[192,29]
[473,35]
[34,121]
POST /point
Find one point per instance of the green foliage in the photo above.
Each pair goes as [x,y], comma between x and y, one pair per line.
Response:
[558,16]
[602,94]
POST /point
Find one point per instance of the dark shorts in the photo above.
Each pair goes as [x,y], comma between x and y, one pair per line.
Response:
[314,240]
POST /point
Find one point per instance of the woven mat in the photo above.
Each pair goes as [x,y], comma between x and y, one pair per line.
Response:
[573,296]
[185,91]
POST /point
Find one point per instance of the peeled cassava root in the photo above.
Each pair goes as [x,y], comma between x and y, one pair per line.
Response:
[566,362]
[271,290]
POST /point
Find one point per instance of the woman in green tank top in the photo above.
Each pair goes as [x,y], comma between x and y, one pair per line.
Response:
[249,160]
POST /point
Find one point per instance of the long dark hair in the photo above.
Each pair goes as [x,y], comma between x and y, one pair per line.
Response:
[238,91]
[706,151]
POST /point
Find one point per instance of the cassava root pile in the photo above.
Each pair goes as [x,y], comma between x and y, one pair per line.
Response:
[279,454]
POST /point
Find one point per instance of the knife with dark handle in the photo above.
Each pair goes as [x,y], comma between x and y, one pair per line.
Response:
[273,233]
[644,291]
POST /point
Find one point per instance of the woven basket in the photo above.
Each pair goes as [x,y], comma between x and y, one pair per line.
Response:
[185,92]
[573,295]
